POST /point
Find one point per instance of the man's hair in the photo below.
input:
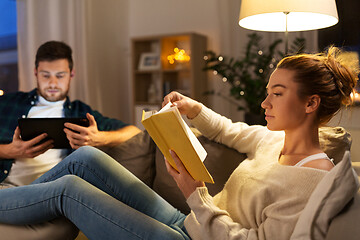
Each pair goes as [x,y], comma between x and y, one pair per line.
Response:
[54,50]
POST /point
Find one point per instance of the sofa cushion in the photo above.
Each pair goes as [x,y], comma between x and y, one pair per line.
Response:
[57,229]
[335,141]
[137,155]
[330,196]
[220,161]
[346,224]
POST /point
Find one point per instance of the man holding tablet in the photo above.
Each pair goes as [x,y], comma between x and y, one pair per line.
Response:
[21,162]
[28,159]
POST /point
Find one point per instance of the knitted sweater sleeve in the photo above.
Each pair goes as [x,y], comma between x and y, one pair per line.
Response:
[240,136]
[207,221]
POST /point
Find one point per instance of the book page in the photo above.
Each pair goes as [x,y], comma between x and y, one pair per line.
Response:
[193,139]
[169,131]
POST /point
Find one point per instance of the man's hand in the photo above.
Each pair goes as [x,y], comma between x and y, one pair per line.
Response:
[91,136]
[25,149]
[83,136]
[183,179]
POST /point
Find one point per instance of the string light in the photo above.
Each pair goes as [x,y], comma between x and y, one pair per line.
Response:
[1,92]
[179,55]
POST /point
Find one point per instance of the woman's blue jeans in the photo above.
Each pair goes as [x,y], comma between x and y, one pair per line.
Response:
[101,197]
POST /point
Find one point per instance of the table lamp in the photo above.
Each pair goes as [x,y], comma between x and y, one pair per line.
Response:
[287,15]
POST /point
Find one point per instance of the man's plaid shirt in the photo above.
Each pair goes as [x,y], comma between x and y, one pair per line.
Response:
[17,105]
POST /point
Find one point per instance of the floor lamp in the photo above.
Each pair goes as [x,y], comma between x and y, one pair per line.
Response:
[287,15]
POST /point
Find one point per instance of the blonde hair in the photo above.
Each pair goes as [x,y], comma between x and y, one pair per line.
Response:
[328,75]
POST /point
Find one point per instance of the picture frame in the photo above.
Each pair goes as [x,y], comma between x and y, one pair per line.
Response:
[149,61]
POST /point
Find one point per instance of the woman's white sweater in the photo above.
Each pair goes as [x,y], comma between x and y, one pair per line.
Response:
[262,199]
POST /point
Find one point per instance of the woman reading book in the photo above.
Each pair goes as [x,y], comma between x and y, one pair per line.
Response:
[262,198]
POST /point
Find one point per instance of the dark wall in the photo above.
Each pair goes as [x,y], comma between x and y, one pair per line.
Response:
[346,33]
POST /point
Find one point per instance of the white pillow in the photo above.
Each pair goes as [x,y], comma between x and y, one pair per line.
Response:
[330,196]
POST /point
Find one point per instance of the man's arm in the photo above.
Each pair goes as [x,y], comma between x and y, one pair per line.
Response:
[90,136]
[24,149]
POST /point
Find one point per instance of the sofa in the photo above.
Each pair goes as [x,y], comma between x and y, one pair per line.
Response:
[141,156]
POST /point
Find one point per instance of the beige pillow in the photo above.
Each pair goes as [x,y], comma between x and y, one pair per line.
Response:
[334,141]
[330,196]
[137,155]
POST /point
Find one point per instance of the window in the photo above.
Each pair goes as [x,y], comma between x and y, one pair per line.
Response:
[8,47]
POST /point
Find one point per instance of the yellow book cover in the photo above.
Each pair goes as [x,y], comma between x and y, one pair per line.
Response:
[169,131]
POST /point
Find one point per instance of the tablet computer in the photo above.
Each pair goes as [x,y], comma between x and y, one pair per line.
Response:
[54,127]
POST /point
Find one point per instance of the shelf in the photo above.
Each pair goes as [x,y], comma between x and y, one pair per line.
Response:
[146,72]
[150,86]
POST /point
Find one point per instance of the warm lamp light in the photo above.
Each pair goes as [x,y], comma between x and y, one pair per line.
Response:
[1,92]
[355,97]
[287,15]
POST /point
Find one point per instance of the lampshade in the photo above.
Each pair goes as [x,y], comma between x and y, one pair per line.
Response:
[268,15]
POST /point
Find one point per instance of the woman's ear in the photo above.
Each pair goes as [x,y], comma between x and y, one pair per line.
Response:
[313,103]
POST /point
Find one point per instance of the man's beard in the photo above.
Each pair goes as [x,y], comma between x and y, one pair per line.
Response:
[53,98]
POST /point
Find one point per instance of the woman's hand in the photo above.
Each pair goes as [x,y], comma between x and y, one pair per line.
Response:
[186,105]
[183,179]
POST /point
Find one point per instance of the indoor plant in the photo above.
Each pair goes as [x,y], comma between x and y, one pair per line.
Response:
[248,75]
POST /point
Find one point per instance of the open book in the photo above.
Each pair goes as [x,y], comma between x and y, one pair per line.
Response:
[169,131]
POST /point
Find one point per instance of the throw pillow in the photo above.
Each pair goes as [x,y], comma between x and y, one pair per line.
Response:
[330,196]
[137,155]
[334,141]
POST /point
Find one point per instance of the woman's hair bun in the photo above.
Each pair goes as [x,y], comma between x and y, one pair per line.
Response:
[345,68]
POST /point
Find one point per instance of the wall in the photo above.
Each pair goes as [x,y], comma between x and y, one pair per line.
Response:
[108,54]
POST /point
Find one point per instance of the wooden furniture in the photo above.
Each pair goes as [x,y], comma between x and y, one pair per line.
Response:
[153,76]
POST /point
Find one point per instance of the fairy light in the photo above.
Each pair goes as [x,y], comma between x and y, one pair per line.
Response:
[1,92]
[179,55]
